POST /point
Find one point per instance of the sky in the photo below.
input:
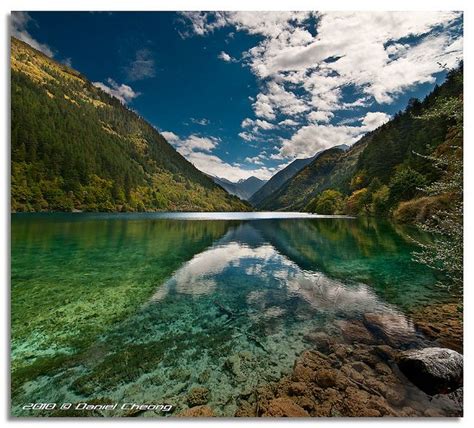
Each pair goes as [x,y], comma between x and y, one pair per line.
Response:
[245,93]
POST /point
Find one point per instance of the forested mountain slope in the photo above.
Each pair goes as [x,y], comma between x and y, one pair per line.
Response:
[74,147]
[294,194]
[280,178]
[385,167]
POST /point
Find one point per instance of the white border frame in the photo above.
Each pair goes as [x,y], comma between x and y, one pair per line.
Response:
[112,5]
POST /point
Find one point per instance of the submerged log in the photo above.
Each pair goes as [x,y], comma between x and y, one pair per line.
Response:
[225,310]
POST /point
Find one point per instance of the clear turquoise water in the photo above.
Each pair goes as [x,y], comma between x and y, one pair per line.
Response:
[144,307]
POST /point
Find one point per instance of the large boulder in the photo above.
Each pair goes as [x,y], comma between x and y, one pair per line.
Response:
[433,370]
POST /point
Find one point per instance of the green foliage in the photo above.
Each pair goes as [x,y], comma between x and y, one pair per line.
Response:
[446,251]
[297,192]
[394,143]
[357,202]
[359,181]
[405,184]
[76,147]
[395,155]
[381,201]
[329,202]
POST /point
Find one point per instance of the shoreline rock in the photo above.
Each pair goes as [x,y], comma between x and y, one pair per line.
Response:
[350,380]
[441,323]
[433,370]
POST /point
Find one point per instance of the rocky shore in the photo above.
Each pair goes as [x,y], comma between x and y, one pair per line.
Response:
[371,367]
[441,323]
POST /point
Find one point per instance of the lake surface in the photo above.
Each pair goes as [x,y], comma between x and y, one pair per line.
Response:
[144,307]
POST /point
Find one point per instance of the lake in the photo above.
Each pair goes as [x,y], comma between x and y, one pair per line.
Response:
[144,307]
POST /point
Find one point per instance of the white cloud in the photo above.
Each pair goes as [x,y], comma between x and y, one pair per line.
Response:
[278,99]
[255,130]
[169,136]
[263,107]
[246,136]
[315,137]
[313,65]
[356,57]
[192,143]
[312,138]
[67,61]
[202,122]
[214,165]
[19,24]
[257,124]
[373,120]
[198,150]
[254,160]
[122,92]
[203,23]
[288,122]
[142,67]
[225,57]
[363,50]
[320,116]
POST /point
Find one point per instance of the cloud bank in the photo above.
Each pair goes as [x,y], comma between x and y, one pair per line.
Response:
[312,67]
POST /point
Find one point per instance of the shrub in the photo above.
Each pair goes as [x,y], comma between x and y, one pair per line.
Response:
[328,202]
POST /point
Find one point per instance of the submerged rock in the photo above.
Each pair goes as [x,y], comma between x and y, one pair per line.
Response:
[197,412]
[433,370]
[284,407]
[394,329]
[319,339]
[233,365]
[355,332]
[386,353]
[352,380]
[197,396]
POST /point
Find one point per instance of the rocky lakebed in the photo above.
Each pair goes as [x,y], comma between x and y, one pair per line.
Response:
[367,369]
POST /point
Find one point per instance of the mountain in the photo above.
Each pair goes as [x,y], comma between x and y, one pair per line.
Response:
[228,185]
[74,147]
[249,186]
[243,188]
[297,190]
[278,180]
[385,167]
[262,198]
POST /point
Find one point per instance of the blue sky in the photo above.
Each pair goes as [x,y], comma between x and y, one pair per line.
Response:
[245,93]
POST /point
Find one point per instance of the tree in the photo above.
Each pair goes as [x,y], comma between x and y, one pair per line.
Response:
[356,202]
[381,201]
[445,252]
[328,202]
[75,147]
[405,184]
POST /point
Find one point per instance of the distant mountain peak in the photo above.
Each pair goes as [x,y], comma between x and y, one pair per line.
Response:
[243,188]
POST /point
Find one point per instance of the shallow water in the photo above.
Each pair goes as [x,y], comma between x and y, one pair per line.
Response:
[144,307]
